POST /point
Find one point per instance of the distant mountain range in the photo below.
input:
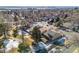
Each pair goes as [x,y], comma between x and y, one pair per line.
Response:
[40,7]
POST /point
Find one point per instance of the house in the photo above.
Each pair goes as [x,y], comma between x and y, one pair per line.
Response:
[54,38]
[9,44]
[67,25]
[76,27]
[40,48]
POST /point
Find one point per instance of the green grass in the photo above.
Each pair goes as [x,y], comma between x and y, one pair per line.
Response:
[19,36]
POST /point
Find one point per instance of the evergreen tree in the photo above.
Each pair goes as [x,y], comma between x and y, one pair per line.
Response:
[36,34]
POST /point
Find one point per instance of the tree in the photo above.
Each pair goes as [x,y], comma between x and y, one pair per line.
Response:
[22,29]
[36,34]
[23,48]
[59,23]
[15,33]
[3,31]
[16,18]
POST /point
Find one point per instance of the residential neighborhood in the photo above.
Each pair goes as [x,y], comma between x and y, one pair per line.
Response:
[39,29]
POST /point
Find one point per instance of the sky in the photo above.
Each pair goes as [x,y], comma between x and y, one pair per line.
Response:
[39,2]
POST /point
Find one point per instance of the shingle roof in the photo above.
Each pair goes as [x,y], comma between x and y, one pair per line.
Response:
[51,34]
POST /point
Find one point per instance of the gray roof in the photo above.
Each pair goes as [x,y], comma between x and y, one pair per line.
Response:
[51,34]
